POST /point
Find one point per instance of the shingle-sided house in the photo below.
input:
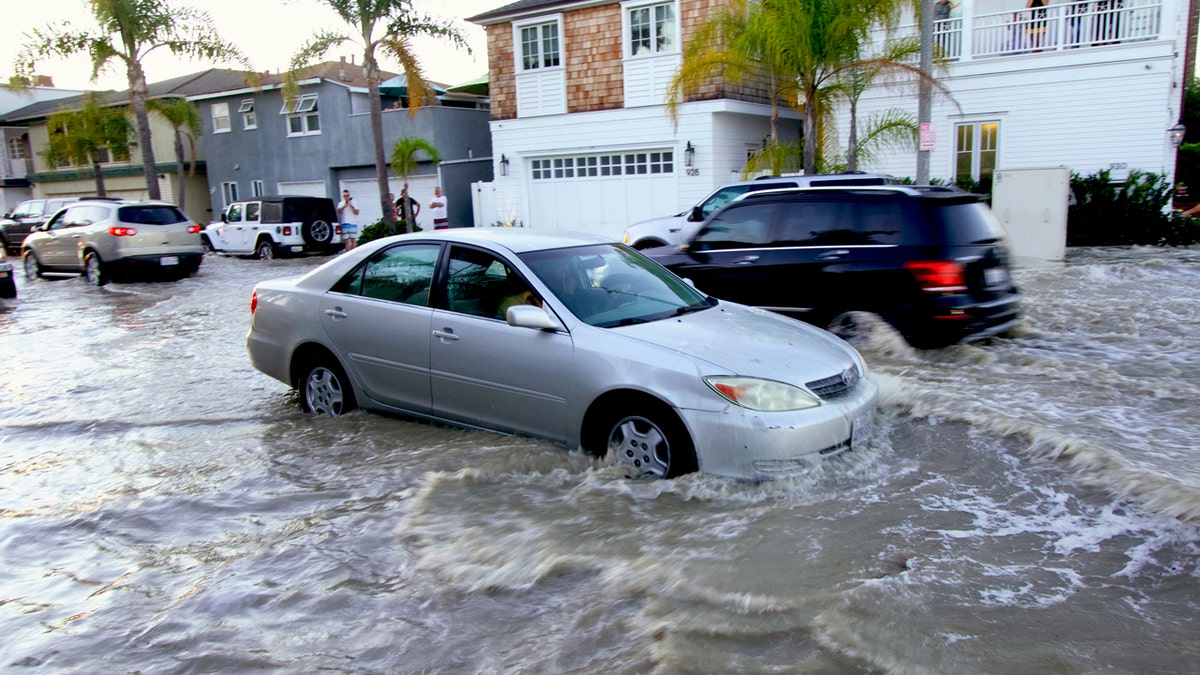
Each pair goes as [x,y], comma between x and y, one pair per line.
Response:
[579,133]
[581,139]
[320,143]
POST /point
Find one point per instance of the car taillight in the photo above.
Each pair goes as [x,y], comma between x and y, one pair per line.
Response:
[118,231]
[338,229]
[193,229]
[938,276]
[253,302]
[287,230]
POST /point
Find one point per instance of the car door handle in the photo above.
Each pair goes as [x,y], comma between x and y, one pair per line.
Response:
[336,313]
[745,260]
[834,255]
[445,335]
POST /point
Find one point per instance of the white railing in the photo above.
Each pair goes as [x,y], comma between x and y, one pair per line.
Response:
[1089,23]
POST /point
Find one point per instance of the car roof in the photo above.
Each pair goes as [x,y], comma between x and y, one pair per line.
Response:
[515,239]
[912,191]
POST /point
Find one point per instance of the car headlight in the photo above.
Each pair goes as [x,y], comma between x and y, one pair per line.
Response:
[764,395]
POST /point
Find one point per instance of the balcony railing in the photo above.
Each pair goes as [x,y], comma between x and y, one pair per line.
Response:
[1053,28]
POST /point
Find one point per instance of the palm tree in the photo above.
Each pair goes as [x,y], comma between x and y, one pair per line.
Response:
[404,162]
[127,31]
[803,47]
[397,22]
[86,135]
[184,118]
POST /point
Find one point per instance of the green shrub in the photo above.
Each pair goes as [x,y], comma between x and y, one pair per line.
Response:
[1134,212]
[377,230]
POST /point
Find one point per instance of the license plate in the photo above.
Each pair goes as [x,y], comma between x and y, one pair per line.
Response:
[168,260]
[995,276]
[861,431]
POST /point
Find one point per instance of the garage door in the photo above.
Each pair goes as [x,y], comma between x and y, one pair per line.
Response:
[601,193]
[366,196]
[312,188]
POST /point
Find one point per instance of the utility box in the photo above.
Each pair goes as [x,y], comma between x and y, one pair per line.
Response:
[1032,206]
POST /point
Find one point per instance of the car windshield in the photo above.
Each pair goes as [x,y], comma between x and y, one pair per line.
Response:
[152,215]
[608,285]
[965,224]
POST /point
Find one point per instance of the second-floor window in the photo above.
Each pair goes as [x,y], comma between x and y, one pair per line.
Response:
[302,117]
[220,118]
[17,148]
[653,29]
[249,118]
[976,145]
[540,46]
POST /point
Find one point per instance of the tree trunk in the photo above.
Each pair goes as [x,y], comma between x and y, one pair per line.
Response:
[99,174]
[406,207]
[852,149]
[381,167]
[138,94]
[179,158]
[810,135]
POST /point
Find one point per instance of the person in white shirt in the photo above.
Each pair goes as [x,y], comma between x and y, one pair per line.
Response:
[437,209]
[346,212]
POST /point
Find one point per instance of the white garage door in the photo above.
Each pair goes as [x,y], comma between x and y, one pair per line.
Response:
[312,188]
[365,193]
[601,193]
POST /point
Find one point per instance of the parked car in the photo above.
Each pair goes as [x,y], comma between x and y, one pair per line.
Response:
[8,282]
[933,262]
[28,214]
[676,229]
[104,238]
[613,355]
[266,227]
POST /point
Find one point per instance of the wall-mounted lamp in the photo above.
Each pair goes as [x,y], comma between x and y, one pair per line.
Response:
[1176,134]
[503,165]
[689,155]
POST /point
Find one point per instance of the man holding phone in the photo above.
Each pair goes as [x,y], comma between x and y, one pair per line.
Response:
[346,212]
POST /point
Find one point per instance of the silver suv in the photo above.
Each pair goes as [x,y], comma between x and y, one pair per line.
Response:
[676,229]
[101,238]
[28,215]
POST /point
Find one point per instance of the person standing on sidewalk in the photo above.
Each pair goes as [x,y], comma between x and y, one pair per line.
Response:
[437,209]
[346,212]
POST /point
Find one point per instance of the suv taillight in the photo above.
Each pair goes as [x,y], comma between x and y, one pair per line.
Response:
[118,231]
[938,276]
[193,229]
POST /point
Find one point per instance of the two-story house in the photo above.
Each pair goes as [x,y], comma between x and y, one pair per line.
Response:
[579,133]
[124,176]
[17,161]
[320,143]
[581,139]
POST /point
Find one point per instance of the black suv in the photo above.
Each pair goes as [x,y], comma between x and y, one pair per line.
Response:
[28,215]
[931,261]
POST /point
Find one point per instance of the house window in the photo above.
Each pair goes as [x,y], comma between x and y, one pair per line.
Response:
[230,192]
[540,46]
[249,118]
[256,188]
[17,148]
[302,117]
[101,156]
[220,118]
[975,148]
[653,29]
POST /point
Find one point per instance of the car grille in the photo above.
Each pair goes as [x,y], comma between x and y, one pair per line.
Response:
[835,386]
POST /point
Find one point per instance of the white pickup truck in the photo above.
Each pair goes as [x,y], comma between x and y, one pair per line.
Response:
[267,227]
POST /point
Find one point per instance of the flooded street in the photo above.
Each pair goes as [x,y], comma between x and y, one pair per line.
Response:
[1028,505]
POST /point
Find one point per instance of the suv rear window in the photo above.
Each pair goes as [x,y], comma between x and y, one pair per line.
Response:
[151,215]
[962,224]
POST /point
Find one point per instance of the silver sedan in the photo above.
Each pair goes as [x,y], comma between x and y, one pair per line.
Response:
[570,338]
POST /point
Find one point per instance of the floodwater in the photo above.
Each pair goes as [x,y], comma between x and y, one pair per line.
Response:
[1029,505]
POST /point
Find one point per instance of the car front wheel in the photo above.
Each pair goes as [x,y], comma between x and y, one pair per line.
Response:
[653,442]
[94,269]
[33,268]
[325,390]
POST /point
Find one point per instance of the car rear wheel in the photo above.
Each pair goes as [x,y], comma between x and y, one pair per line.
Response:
[95,269]
[33,268]
[653,442]
[265,250]
[317,232]
[325,389]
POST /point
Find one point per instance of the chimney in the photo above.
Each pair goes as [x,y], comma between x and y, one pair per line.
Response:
[342,70]
[43,81]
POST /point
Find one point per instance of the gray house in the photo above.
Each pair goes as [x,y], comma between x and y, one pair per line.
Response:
[321,143]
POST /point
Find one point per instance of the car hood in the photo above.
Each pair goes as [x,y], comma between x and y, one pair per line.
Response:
[741,340]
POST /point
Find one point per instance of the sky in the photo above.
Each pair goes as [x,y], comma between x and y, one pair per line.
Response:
[267,31]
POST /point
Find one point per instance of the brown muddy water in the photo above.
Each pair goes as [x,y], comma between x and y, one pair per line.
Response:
[1028,505]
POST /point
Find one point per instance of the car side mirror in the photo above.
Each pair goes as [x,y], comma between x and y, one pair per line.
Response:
[531,316]
[696,215]
[224,218]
